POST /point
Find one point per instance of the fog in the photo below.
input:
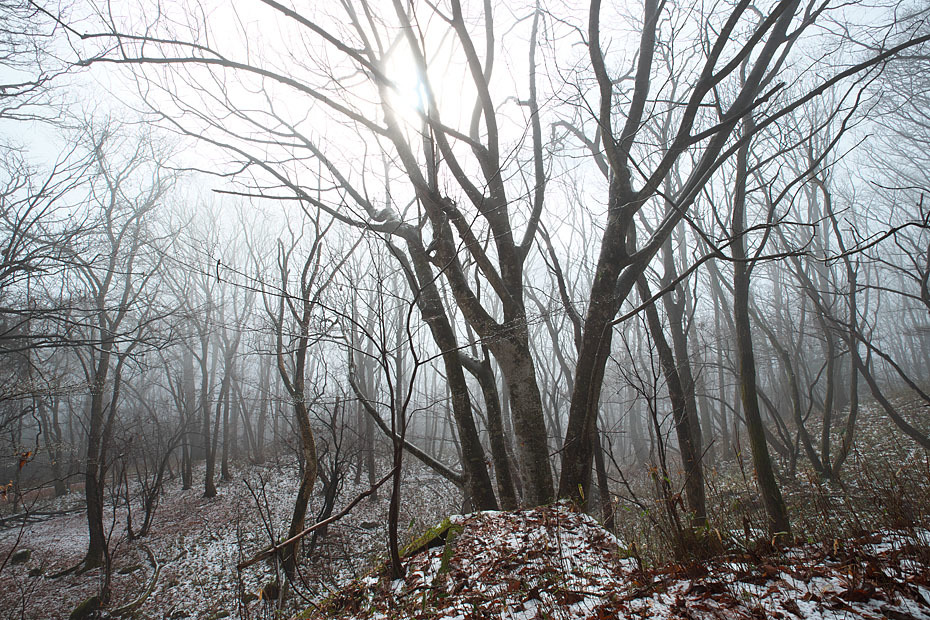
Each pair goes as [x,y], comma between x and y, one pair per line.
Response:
[541,249]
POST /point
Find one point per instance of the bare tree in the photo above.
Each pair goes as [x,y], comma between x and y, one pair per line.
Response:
[28,35]
[114,270]
[304,271]
[495,231]
[620,262]
[748,69]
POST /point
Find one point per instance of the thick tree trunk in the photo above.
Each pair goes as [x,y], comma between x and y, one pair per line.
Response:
[516,364]
[94,465]
[597,336]
[772,500]
[422,282]
[483,372]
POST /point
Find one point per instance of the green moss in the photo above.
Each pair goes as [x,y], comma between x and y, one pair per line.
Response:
[353,598]
[448,551]
[434,537]
[21,557]
[85,609]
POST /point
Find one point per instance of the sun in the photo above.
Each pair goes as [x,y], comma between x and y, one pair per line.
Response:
[408,96]
[444,90]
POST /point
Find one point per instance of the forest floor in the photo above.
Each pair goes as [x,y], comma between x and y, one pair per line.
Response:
[552,562]
[197,543]
[860,550]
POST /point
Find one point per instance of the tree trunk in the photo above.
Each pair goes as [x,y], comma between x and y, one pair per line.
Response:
[515,361]
[483,372]
[304,491]
[688,442]
[187,465]
[225,476]
[422,282]
[607,507]
[209,488]
[94,466]
[775,508]
[53,441]
[828,397]
[595,348]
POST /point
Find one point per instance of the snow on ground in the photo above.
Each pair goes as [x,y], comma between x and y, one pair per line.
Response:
[552,562]
[198,543]
[549,562]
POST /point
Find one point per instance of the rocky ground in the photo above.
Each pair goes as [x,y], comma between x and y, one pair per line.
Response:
[861,551]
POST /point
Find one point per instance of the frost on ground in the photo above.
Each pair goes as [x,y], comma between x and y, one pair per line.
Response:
[549,562]
[198,543]
[552,562]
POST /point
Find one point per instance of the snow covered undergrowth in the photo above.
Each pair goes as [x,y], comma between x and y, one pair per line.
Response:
[198,542]
[552,562]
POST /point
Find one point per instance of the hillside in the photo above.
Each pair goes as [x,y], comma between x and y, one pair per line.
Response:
[552,562]
[866,551]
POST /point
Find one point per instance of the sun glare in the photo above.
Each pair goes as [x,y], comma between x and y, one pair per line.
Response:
[446,79]
[408,95]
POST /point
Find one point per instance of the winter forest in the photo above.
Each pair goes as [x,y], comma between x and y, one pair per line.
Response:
[464,309]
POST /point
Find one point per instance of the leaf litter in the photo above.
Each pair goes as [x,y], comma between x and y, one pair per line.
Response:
[553,562]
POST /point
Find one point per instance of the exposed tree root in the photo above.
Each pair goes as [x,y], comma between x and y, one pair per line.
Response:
[130,608]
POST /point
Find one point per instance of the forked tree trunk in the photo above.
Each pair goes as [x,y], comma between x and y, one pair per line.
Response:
[516,363]
[421,281]
[483,372]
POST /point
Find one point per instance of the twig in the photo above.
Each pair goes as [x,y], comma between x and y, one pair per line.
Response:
[270,551]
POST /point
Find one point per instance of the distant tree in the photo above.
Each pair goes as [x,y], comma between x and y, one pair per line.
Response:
[28,35]
[458,177]
[293,301]
[36,201]
[114,271]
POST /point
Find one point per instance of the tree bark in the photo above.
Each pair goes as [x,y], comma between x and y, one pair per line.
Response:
[689,448]
[94,465]
[483,372]
[422,282]
[775,508]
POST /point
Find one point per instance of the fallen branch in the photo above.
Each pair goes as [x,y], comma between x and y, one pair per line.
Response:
[37,517]
[454,477]
[273,549]
[130,608]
